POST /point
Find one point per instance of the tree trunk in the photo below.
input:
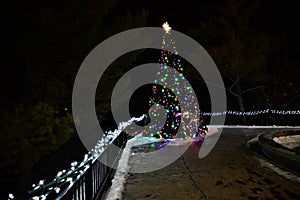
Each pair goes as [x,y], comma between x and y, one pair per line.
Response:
[241,102]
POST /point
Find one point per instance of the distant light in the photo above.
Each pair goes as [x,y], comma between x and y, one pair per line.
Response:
[166,27]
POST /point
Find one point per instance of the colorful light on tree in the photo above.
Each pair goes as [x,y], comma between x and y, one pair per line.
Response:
[171,86]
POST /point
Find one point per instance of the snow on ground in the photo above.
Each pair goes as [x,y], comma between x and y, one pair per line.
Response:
[290,141]
[118,183]
[117,188]
[279,171]
[253,140]
[142,140]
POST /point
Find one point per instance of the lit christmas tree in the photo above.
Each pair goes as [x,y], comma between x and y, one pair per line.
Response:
[171,87]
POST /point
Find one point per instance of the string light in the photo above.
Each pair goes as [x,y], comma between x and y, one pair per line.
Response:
[66,176]
[252,113]
[166,27]
[178,89]
[161,95]
[11,196]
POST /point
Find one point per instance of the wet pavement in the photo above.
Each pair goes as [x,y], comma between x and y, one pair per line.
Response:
[229,171]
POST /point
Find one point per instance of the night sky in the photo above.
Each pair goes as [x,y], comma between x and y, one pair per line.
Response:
[18,27]
[33,44]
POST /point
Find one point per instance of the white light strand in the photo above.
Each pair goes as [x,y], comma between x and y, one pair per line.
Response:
[252,113]
[63,176]
[11,196]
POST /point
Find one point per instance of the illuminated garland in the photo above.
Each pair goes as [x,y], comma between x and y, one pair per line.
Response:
[76,169]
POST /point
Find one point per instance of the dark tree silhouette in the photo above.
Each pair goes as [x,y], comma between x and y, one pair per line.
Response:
[240,52]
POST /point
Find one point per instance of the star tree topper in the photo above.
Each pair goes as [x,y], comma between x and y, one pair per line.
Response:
[166,27]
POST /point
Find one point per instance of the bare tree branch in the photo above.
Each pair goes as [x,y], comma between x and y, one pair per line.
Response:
[228,75]
[255,88]
[230,89]
[248,71]
[286,105]
[231,92]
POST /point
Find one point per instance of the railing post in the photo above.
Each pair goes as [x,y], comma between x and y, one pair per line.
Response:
[89,183]
[95,179]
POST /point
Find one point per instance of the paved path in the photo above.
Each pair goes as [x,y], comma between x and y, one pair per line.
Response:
[230,171]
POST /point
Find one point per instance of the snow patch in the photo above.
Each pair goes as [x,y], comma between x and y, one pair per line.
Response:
[142,140]
[279,171]
[290,141]
[253,141]
[177,142]
[118,183]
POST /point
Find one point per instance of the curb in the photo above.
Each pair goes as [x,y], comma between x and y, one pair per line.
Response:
[278,153]
[118,182]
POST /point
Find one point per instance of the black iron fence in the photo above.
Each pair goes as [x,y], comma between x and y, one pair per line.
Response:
[87,180]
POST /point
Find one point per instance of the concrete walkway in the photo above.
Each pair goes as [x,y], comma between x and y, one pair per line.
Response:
[229,171]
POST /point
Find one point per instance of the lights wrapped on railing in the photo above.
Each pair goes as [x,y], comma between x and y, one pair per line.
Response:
[77,169]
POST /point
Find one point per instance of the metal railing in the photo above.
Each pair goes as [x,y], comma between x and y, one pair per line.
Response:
[85,181]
